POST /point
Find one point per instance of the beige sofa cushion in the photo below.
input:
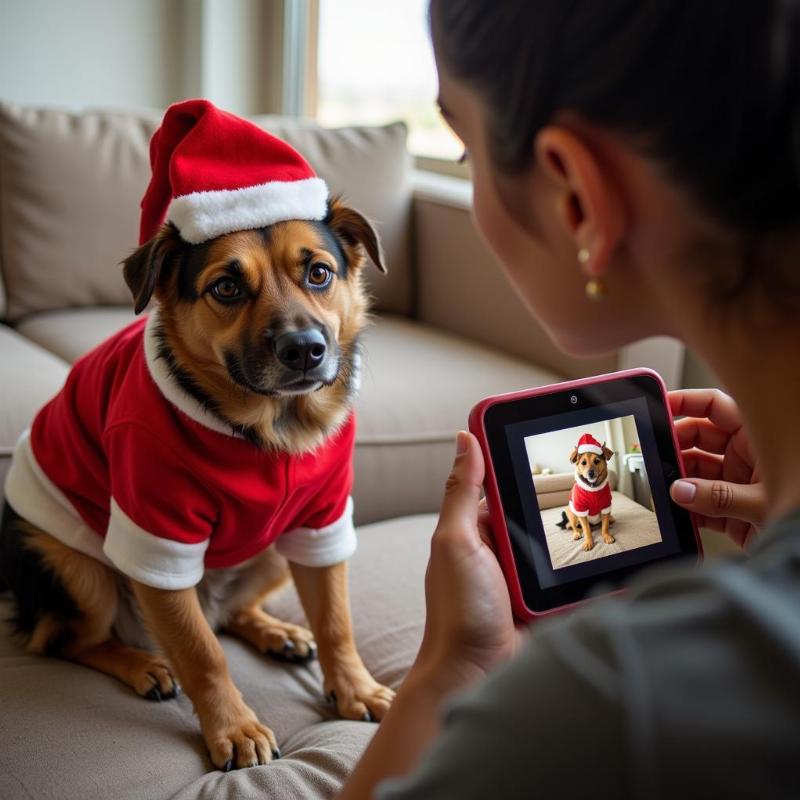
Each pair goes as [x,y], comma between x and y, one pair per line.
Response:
[29,377]
[418,385]
[69,733]
[70,186]
[72,332]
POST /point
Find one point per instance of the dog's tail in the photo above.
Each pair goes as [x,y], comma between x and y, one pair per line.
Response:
[564,521]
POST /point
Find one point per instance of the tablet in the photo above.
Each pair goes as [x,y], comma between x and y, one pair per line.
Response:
[577,486]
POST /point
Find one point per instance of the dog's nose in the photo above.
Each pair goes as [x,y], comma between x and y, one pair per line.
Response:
[592,474]
[301,350]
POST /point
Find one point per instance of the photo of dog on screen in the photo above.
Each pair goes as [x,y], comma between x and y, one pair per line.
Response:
[593,492]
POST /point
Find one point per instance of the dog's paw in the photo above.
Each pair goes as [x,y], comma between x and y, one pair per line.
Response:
[236,739]
[588,544]
[275,638]
[149,675]
[609,539]
[288,643]
[577,535]
[358,696]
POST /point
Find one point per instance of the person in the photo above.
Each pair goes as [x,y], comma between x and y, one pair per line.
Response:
[649,150]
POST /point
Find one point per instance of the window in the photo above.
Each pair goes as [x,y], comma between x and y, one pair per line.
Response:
[375,65]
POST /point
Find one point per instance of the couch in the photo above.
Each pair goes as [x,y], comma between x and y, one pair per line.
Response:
[446,331]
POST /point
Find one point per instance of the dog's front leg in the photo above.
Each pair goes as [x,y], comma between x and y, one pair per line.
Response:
[588,542]
[323,593]
[607,537]
[233,734]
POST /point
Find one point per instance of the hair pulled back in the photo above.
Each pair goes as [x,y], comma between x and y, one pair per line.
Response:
[711,88]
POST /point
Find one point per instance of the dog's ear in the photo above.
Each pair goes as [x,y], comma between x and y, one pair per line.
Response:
[146,266]
[354,230]
[607,452]
[574,456]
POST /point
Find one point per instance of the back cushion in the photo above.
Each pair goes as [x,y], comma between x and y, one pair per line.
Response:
[70,186]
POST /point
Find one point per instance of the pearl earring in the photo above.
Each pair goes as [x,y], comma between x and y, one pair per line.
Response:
[595,287]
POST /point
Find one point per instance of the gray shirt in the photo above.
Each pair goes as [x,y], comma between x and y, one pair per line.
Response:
[688,686]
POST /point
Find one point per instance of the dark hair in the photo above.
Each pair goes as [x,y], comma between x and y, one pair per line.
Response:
[709,87]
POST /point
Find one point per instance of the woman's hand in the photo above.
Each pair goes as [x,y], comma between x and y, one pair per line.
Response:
[723,490]
[469,626]
[468,629]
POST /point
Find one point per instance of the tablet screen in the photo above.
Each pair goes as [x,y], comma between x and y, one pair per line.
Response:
[584,478]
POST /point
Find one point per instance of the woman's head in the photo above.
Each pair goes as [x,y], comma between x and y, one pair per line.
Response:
[588,121]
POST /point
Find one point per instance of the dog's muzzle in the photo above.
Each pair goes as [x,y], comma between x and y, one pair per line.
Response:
[302,351]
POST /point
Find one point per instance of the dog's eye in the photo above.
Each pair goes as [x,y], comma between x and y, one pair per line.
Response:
[226,289]
[597,461]
[319,276]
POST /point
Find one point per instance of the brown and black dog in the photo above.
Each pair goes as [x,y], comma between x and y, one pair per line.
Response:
[223,307]
[590,499]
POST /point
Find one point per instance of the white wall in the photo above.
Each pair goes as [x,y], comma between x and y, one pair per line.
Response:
[553,449]
[78,53]
[141,53]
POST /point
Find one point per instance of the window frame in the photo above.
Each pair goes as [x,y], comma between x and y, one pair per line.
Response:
[305,40]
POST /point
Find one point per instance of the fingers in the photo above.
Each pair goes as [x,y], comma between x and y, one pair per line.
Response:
[711,404]
[463,488]
[701,433]
[712,422]
[715,498]
[704,465]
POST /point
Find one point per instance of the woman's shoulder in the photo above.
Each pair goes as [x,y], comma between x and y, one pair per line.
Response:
[689,676]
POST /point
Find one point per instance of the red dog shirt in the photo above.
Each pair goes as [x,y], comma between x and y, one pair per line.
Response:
[127,467]
[590,502]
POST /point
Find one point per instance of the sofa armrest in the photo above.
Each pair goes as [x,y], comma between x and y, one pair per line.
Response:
[461,288]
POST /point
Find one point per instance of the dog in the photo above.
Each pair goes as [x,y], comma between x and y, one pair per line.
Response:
[255,334]
[590,498]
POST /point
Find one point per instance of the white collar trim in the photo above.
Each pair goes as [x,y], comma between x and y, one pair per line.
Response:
[168,386]
[590,488]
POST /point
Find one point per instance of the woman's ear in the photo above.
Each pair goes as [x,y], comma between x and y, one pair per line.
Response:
[354,230]
[145,267]
[589,200]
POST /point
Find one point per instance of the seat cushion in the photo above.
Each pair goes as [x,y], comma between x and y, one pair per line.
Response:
[71,333]
[418,385]
[68,732]
[70,186]
[29,377]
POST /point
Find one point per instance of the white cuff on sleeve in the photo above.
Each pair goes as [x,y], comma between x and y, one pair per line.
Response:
[151,560]
[322,547]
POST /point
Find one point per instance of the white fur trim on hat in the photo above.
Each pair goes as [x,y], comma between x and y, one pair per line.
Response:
[590,448]
[201,216]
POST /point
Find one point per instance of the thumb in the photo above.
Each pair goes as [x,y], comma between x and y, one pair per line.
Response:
[744,501]
[462,491]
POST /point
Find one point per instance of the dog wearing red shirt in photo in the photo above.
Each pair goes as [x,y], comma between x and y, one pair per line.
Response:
[202,456]
[590,498]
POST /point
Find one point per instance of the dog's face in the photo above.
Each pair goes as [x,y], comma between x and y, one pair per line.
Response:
[272,314]
[590,468]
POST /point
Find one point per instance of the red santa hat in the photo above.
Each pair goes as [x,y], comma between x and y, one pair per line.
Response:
[215,173]
[588,444]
